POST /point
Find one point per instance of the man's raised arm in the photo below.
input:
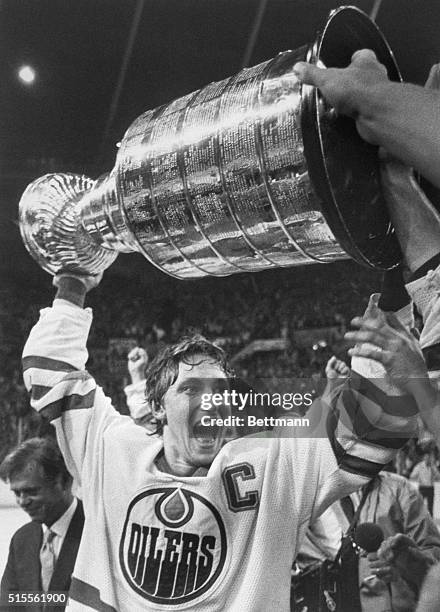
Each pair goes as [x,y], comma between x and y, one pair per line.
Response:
[62,391]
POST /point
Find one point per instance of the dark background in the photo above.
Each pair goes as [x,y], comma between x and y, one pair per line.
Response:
[61,122]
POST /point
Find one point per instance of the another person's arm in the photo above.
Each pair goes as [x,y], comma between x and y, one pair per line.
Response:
[417,548]
[140,412]
[430,592]
[137,363]
[404,556]
[386,341]
[367,419]
[407,555]
[414,475]
[336,372]
[401,117]
[418,522]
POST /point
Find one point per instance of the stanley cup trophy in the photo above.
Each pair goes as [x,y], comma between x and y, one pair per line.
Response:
[253,172]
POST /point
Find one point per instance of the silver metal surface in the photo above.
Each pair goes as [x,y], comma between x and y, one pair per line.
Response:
[51,225]
[214,183]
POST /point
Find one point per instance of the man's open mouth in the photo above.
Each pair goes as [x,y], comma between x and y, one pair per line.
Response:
[205,434]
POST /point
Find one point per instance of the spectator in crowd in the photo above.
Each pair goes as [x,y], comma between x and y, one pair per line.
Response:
[395,506]
[425,473]
[42,553]
[404,463]
[372,583]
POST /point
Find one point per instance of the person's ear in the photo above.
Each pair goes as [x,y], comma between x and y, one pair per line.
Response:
[60,483]
[159,413]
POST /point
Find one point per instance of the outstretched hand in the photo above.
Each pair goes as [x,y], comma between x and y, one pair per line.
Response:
[403,554]
[381,568]
[384,339]
[344,88]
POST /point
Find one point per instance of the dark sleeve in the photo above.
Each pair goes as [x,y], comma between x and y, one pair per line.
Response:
[418,523]
[9,580]
[393,294]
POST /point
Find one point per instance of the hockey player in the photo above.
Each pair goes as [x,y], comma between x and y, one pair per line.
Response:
[179,520]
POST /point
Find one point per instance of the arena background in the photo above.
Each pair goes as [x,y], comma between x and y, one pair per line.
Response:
[276,324]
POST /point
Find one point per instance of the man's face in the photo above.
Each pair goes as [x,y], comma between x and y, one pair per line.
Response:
[43,500]
[187,443]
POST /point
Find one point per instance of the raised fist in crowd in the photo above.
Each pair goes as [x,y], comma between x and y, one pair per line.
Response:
[137,363]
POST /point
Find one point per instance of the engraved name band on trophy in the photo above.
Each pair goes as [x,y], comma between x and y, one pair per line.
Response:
[250,173]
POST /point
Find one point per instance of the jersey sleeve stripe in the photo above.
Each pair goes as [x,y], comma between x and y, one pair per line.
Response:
[356,465]
[34,377]
[88,595]
[46,363]
[78,383]
[402,405]
[348,462]
[70,402]
[39,391]
[362,448]
[352,414]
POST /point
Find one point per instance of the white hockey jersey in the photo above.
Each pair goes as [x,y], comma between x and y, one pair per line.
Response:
[224,541]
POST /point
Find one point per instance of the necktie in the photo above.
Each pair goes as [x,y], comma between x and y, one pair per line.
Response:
[47,559]
[349,565]
[347,507]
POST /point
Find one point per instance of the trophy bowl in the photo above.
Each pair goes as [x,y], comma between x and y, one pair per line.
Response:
[253,172]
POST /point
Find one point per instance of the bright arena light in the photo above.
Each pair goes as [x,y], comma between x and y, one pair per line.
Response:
[26,74]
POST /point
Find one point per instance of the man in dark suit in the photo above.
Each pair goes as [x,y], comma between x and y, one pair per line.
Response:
[42,553]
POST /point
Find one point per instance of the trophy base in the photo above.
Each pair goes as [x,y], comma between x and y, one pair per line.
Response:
[344,169]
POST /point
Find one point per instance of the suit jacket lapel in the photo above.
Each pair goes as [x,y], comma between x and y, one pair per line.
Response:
[31,559]
[28,565]
[66,561]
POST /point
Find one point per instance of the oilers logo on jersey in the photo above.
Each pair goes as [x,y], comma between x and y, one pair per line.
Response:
[173,545]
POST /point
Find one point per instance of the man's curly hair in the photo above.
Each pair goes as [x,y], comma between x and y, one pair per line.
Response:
[164,369]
